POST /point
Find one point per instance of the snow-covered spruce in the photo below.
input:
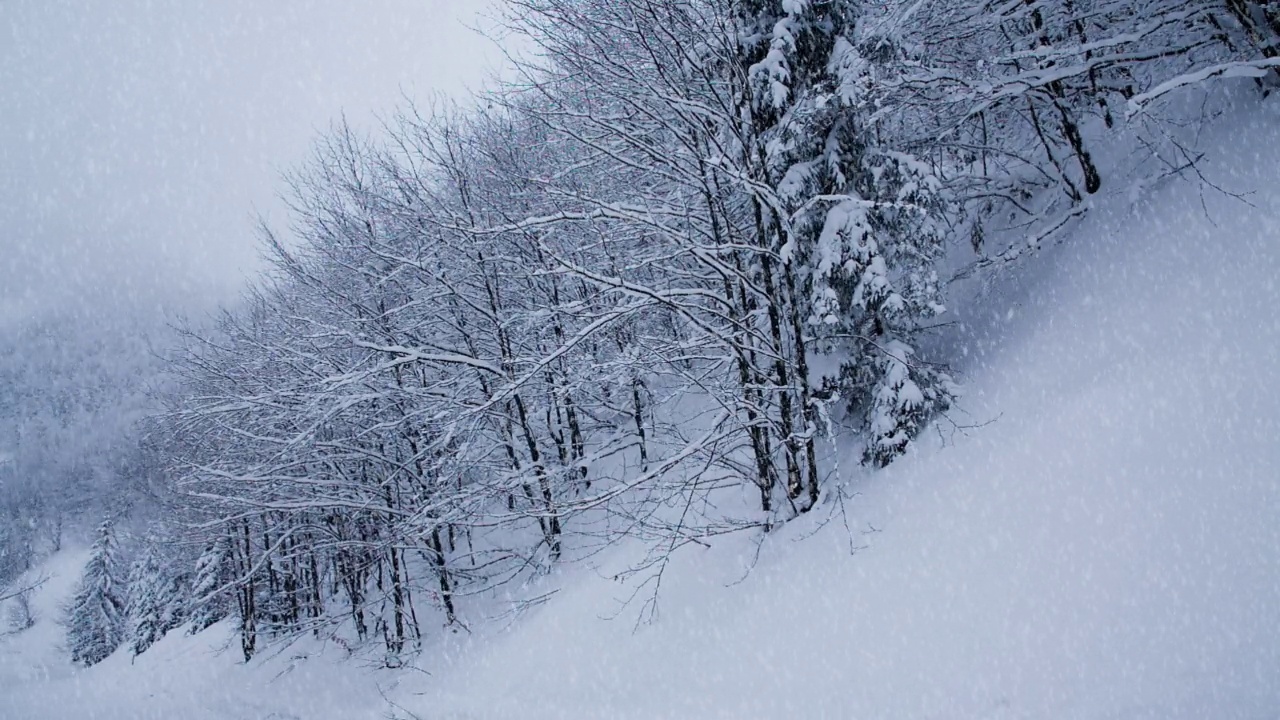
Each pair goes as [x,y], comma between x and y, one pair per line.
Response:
[157,598]
[95,619]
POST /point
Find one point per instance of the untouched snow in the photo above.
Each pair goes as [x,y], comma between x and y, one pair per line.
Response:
[36,656]
[1108,547]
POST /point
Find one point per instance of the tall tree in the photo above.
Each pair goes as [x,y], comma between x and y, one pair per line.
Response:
[96,617]
[157,598]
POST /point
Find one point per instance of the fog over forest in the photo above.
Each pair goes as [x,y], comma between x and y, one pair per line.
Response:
[145,141]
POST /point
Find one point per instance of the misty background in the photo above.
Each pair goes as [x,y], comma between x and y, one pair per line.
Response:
[142,140]
[143,136]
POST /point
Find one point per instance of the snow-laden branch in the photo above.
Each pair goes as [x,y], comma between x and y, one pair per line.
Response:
[1242,69]
[11,593]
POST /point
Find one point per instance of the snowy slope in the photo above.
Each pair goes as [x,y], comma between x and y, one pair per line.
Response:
[35,656]
[1107,547]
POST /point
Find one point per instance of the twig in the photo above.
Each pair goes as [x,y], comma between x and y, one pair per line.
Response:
[15,593]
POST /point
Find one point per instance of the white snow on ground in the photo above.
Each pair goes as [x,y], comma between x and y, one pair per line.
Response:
[35,656]
[1108,547]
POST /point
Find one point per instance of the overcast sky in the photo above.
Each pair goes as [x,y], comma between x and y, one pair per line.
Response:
[138,137]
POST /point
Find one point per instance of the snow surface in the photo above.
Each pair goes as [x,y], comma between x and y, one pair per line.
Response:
[1108,546]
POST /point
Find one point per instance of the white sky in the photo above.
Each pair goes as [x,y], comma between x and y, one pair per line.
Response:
[138,137]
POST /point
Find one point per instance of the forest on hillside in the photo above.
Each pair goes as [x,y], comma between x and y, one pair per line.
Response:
[652,287]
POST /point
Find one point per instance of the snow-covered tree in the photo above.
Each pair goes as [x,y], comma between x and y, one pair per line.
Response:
[210,599]
[157,598]
[96,620]
[860,224]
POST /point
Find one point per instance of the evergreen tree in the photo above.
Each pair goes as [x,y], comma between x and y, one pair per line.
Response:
[210,598]
[96,618]
[862,225]
[156,600]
